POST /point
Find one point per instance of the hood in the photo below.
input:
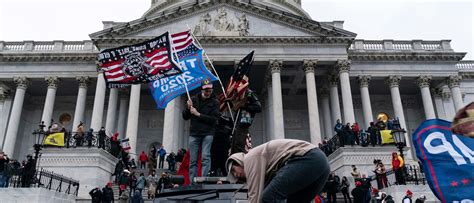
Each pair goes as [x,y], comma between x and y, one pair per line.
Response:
[239,159]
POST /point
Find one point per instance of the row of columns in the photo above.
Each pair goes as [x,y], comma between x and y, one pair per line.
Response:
[342,79]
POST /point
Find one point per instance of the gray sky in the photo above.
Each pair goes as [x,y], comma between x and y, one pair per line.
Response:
[46,20]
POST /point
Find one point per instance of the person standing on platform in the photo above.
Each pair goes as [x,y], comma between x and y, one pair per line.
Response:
[102,136]
[143,160]
[203,111]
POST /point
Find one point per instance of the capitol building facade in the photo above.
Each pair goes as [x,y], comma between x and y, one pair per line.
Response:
[306,73]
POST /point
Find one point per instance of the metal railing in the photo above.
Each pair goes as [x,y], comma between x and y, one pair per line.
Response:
[45,179]
[413,175]
[75,139]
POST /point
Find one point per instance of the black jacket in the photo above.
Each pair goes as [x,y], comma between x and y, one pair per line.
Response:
[107,194]
[96,195]
[209,110]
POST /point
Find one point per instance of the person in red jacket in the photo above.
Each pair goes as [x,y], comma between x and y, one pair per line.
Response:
[397,167]
[143,160]
[355,132]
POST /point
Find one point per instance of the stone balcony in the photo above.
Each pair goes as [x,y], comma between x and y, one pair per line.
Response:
[48,47]
[389,45]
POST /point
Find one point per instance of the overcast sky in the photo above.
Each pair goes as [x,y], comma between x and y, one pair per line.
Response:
[45,20]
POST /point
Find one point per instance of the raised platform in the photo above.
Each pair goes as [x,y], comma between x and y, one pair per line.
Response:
[215,193]
[91,166]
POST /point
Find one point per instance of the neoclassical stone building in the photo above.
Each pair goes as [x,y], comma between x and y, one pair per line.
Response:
[307,73]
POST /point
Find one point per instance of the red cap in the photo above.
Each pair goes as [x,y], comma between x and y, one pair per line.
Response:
[409,192]
[109,184]
[358,184]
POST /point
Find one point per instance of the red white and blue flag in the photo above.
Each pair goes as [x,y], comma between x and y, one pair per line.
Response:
[447,159]
[139,63]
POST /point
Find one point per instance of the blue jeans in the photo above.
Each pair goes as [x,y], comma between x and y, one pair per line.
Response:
[196,142]
[299,180]
[3,180]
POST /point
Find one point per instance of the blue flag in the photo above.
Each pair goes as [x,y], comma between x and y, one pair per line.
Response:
[448,160]
[194,72]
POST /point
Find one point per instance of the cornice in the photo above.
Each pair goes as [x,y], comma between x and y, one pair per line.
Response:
[405,56]
[48,57]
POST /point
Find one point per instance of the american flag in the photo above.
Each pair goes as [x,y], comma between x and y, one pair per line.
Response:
[139,63]
[183,44]
[238,84]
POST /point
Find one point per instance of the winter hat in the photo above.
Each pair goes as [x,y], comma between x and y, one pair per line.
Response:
[358,183]
[206,84]
[238,158]
[409,192]
[109,184]
[463,122]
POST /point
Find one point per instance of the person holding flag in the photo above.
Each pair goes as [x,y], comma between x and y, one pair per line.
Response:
[203,111]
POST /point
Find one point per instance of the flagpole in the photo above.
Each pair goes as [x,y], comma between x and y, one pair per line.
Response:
[179,65]
[212,66]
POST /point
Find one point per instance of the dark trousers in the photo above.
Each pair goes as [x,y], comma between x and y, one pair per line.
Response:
[142,165]
[218,159]
[299,180]
[332,197]
[346,195]
[161,162]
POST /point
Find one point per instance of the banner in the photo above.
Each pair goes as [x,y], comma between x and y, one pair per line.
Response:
[138,63]
[125,143]
[194,72]
[55,139]
[447,159]
[387,137]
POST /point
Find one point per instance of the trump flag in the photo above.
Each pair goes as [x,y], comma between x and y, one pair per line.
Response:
[447,159]
[194,72]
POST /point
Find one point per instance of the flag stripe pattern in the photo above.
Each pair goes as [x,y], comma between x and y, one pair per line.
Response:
[139,63]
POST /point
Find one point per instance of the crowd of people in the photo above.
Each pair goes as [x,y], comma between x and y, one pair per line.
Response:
[24,171]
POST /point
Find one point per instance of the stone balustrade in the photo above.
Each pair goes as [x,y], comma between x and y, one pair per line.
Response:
[48,46]
[466,66]
[400,45]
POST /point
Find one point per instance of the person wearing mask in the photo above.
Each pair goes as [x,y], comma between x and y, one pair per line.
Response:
[279,170]
[203,111]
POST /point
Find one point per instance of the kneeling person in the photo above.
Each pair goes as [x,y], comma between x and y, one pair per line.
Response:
[284,169]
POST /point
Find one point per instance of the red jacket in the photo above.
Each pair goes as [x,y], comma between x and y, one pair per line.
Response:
[143,157]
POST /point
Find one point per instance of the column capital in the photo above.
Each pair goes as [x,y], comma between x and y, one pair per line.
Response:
[84,81]
[4,93]
[394,80]
[275,66]
[53,81]
[21,82]
[309,65]
[364,80]
[423,81]
[445,93]
[437,92]
[333,80]
[454,80]
[343,65]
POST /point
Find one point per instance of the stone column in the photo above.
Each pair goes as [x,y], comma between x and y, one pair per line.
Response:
[453,82]
[3,114]
[328,132]
[448,103]
[99,99]
[122,112]
[335,108]
[111,111]
[269,103]
[171,125]
[346,93]
[438,100]
[365,97]
[81,101]
[14,122]
[132,121]
[278,121]
[313,109]
[394,83]
[424,84]
[53,82]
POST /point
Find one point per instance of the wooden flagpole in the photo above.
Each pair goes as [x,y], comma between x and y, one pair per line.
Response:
[213,69]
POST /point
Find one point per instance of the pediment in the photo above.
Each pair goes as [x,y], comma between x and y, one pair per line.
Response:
[223,20]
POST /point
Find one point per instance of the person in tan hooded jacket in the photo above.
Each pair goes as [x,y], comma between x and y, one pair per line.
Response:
[283,169]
